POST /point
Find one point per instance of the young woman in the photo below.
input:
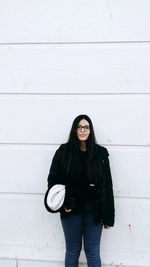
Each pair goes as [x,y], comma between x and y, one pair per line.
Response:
[83,167]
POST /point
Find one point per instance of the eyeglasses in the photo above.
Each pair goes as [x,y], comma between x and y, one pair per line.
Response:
[85,127]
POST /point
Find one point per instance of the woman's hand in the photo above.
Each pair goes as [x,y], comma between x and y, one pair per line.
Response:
[67,210]
[106,226]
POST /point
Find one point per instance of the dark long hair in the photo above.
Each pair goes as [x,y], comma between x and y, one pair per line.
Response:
[71,156]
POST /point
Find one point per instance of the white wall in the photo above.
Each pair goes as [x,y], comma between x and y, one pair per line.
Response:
[59,59]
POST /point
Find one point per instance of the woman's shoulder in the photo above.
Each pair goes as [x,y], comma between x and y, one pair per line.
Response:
[102,150]
[60,149]
[62,146]
[59,152]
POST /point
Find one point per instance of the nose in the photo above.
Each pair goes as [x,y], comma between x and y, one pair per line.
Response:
[82,129]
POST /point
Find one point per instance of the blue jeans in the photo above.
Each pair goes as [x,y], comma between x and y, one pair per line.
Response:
[76,226]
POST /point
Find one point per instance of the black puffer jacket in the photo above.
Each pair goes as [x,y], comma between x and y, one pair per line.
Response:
[104,211]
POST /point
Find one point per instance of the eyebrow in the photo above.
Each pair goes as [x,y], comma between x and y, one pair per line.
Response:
[84,125]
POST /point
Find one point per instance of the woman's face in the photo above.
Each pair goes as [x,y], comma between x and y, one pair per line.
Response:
[83,130]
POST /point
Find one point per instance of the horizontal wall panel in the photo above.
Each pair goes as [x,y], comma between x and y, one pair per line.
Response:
[39,119]
[8,263]
[51,264]
[33,233]
[74,21]
[41,264]
[90,68]
[25,169]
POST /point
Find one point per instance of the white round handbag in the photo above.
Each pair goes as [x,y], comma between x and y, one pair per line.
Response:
[55,197]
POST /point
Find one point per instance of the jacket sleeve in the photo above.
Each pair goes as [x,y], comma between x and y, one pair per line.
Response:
[54,172]
[110,215]
[53,177]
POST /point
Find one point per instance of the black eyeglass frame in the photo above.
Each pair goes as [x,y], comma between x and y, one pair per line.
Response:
[85,127]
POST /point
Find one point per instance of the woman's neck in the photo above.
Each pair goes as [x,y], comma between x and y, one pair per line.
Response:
[83,146]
